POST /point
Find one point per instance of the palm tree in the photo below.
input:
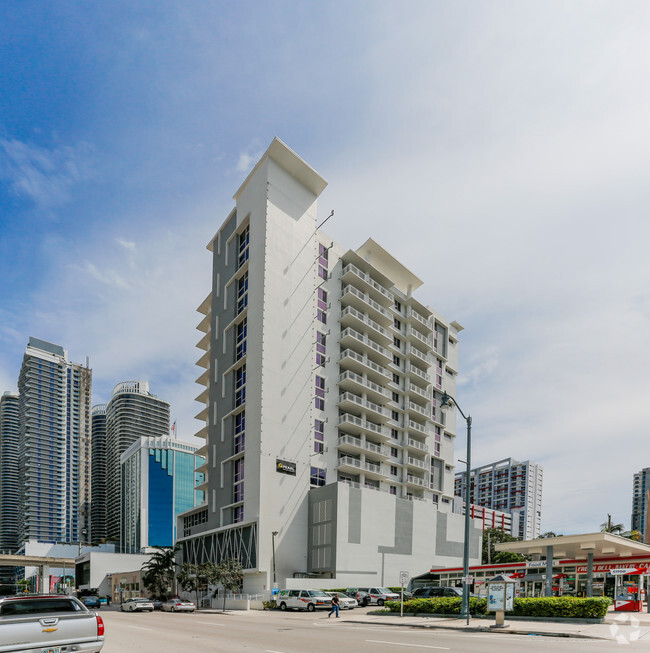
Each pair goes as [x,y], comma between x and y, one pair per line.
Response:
[160,570]
[614,529]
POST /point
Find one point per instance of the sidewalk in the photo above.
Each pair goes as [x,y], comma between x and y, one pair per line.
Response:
[621,627]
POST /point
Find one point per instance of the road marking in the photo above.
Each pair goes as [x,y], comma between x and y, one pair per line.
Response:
[210,623]
[379,641]
[142,628]
[268,650]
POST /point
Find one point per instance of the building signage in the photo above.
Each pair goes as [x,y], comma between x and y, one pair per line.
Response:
[285,467]
[541,563]
[613,568]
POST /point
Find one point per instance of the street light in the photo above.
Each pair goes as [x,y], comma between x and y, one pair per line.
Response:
[448,401]
[273,534]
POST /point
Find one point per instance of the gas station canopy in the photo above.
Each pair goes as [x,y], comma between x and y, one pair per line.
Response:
[578,547]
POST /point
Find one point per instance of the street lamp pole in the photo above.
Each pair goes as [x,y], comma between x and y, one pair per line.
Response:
[273,534]
[448,400]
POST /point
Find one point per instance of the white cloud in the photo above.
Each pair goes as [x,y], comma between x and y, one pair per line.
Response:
[128,245]
[46,176]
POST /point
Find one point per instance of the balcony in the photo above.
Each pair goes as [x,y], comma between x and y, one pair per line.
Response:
[350,316]
[415,480]
[204,343]
[358,425]
[351,273]
[416,462]
[348,443]
[348,400]
[352,360]
[352,381]
[417,356]
[354,465]
[419,428]
[413,316]
[353,297]
[420,395]
[422,413]
[204,379]
[417,375]
[420,340]
[206,305]
[204,324]
[411,443]
[204,361]
[351,337]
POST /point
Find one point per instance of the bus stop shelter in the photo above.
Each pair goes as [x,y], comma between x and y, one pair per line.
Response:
[613,552]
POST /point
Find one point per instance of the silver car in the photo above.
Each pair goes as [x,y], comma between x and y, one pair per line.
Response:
[346,602]
[178,605]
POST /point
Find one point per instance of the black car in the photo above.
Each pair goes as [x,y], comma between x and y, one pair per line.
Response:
[431,592]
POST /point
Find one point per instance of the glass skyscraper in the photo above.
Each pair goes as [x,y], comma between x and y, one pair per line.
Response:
[159,481]
[53,445]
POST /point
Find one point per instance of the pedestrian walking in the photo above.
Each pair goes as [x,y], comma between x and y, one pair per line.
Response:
[335,606]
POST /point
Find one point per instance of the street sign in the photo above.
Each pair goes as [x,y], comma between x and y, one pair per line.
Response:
[468,580]
[403,577]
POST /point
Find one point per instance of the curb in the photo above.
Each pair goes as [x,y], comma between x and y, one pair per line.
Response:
[481,629]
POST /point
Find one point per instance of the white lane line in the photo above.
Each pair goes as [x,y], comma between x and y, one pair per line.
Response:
[379,641]
[268,650]
[210,623]
[142,628]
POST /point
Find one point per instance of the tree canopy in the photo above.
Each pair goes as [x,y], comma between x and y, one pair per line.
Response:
[492,536]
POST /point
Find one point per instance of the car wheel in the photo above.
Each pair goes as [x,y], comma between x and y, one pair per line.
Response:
[380,602]
[173,609]
[311,607]
[283,606]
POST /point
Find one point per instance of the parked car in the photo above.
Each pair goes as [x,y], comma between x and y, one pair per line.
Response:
[137,604]
[431,592]
[378,595]
[178,605]
[303,600]
[157,604]
[91,601]
[346,602]
[48,623]
[363,598]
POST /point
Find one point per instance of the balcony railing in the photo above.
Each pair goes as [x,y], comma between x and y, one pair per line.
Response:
[362,317]
[414,315]
[346,418]
[363,403]
[369,280]
[369,385]
[367,300]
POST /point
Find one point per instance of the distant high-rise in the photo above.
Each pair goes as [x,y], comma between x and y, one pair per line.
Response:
[9,424]
[159,481]
[511,486]
[98,480]
[640,491]
[132,413]
[53,445]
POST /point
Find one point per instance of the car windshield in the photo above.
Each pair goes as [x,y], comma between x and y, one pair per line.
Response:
[319,593]
[384,590]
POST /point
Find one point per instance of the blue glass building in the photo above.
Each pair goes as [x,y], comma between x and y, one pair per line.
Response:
[159,481]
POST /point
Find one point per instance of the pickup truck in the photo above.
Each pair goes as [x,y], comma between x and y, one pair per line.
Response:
[48,624]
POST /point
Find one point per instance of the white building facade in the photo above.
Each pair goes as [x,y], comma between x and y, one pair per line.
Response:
[327,453]
[510,486]
[640,492]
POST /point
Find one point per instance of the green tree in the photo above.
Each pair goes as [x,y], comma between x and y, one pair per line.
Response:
[193,578]
[160,570]
[230,575]
[492,536]
[548,535]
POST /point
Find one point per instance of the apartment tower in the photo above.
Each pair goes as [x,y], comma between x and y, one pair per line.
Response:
[98,480]
[509,486]
[9,427]
[131,414]
[53,445]
[640,490]
[327,453]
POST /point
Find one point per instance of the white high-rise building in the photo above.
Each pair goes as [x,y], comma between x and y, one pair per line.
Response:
[327,453]
[640,492]
[509,486]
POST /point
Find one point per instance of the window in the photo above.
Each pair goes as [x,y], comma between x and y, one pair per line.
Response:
[395,378]
[393,470]
[244,238]
[317,477]
[240,386]
[321,306]
[319,435]
[242,293]
[240,433]
[395,396]
[397,324]
[397,342]
[238,514]
[394,414]
[394,434]
[320,393]
[398,306]
[396,360]
[393,452]
[393,489]
[321,348]
[240,339]
[323,252]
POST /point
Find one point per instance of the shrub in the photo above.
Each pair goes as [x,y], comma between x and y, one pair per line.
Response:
[567,607]
[439,605]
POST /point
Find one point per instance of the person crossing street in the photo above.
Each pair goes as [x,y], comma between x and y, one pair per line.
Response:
[335,606]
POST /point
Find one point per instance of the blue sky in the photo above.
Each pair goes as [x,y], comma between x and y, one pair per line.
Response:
[501,149]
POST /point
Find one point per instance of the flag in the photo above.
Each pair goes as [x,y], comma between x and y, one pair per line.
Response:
[174,429]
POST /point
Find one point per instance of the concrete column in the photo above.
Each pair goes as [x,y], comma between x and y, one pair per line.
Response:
[45,579]
[549,571]
[590,574]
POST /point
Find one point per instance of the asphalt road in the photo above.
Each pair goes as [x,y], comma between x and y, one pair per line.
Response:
[301,632]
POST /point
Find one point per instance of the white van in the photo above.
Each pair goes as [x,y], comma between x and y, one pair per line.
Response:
[378,595]
[303,600]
